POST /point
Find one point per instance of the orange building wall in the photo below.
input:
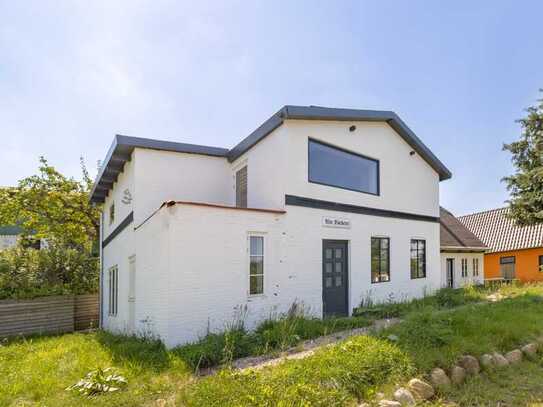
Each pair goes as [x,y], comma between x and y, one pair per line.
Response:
[526,264]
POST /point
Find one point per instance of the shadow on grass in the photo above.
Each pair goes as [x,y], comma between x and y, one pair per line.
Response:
[148,354]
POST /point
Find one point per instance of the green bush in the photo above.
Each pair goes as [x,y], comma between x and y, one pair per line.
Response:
[28,273]
[333,376]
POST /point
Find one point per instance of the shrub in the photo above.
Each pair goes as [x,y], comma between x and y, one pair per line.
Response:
[28,273]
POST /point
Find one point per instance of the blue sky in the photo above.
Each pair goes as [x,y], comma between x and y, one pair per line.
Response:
[73,74]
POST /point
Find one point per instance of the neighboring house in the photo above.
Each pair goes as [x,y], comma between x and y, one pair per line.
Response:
[515,252]
[318,206]
[462,253]
[9,236]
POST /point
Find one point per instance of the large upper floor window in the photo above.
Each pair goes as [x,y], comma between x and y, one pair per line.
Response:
[335,167]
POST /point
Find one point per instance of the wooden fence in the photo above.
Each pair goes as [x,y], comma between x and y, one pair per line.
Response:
[55,314]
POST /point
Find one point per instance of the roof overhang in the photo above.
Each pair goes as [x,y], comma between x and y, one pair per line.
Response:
[121,151]
[335,114]
[463,249]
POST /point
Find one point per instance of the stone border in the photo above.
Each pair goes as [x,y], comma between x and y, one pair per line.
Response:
[418,390]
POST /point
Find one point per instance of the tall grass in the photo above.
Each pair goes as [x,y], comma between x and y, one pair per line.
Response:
[334,376]
[271,335]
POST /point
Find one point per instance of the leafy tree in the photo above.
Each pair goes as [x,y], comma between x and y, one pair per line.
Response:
[526,184]
[52,206]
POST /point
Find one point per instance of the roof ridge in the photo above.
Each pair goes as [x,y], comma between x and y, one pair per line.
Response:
[481,212]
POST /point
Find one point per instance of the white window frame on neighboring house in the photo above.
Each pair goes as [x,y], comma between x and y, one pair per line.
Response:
[464,268]
[113,291]
[255,256]
[475,267]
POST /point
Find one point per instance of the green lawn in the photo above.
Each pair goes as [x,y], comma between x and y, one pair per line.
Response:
[514,387]
[435,331]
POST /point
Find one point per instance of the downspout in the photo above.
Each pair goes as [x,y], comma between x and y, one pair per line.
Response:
[101,279]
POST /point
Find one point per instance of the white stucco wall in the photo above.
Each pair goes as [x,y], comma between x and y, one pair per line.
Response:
[163,176]
[458,280]
[407,183]
[7,241]
[192,261]
[192,266]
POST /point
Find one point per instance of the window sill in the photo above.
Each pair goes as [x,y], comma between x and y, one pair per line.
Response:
[255,296]
[379,282]
[417,278]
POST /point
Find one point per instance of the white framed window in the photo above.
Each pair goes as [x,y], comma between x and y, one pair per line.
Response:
[256,265]
[475,267]
[113,285]
[464,267]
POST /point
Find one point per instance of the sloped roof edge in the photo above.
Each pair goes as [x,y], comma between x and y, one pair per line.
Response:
[122,146]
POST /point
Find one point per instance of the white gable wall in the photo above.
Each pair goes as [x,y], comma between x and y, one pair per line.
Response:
[407,183]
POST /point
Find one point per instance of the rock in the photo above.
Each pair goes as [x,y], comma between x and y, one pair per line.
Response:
[470,364]
[530,350]
[421,389]
[393,338]
[363,405]
[389,403]
[405,397]
[379,396]
[487,361]
[500,360]
[160,403]
[439,378]
[515,356]
[458,375]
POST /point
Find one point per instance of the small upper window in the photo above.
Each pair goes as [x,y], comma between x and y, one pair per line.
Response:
[112,213]
[241,188]
[380,259]
[256,265]
[343,169]
[541,264]
[418,258]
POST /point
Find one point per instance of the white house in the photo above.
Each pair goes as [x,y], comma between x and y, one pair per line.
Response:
[462,253]
[319,206]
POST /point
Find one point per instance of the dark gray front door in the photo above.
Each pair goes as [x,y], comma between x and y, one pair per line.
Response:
[334,278]
[450,273]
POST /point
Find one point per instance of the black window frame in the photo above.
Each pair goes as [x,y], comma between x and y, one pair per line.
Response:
[416,275]
[113,291]
[380,272]
[378,174]
[541,264]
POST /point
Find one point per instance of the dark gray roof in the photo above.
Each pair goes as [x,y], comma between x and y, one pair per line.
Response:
[454,234]
[10,230]
[123,146]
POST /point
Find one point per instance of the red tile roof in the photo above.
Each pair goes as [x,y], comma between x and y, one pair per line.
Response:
[500,233]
